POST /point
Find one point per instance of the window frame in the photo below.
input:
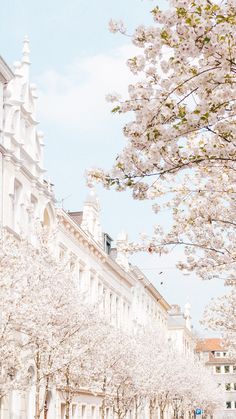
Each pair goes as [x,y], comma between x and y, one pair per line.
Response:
[226,367]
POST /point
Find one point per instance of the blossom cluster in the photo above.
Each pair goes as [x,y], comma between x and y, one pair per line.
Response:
[181,137]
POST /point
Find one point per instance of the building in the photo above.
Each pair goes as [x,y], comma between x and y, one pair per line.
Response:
[214,354]
[129,298]
[180,330]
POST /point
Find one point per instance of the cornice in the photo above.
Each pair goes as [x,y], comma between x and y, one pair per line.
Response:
[79,235]
[82,390]
[158,296]
[151,288]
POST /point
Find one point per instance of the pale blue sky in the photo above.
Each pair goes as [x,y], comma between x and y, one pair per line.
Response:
[75,63]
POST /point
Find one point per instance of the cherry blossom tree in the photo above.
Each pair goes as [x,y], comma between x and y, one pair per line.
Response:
[49,326]
[180,150]
[78,354]
[80,350]
[11,294]
[114,372]
[220,316]
[171,382]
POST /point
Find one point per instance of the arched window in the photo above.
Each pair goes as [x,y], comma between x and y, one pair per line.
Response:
[48,216]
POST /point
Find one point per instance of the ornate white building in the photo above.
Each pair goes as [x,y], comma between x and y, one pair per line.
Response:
[129,297]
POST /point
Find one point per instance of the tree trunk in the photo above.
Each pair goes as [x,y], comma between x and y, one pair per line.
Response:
[161,413]
[37,387]
[45,409]
[150,411]
[103,409]
[136,408]
[175,413]
[152,405]
[68,398]
[45,405]
[67,416]
[103,398]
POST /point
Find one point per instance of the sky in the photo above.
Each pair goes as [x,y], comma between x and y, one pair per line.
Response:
[75,62]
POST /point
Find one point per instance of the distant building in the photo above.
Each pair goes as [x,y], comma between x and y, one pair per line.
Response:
[180,330]
[215,356]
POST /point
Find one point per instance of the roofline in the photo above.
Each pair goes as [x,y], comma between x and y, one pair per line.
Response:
[99,251]
[151,288]
[203,345]
[6,74]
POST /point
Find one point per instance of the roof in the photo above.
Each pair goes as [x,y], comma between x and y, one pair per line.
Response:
[76,216]
[150,287]
[210,344]
[176,321]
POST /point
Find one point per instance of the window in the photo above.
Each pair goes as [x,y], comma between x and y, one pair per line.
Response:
[111,306]
[226,369]
[16,201]
[63,410]
[227,386]
[234,369]
[128,312]
[82,278]
[74,411]
[234,386]
[46,218]
[224,354]
[217,354]
[117,312]
[107,243]
[83,411]
[93,411]
[104,300]
[228,405]
[92,288]
[218,369]
[72,263]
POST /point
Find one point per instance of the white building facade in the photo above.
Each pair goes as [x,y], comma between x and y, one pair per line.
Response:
[129,298]
[180,330]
